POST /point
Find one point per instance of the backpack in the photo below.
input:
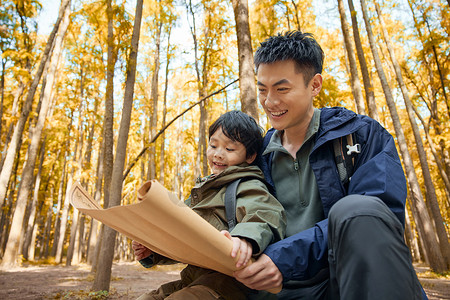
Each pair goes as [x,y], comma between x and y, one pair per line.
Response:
[344,153]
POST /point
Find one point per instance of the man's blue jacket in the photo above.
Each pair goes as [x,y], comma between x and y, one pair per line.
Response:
[378,172]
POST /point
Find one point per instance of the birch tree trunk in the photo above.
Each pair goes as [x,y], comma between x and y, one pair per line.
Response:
[10,257]
[93,230]
[32,217]
[433,92]
[103,273]
[201,84]
[437,262]
[163,135]
[247,85]
[18,130]
[368,87]
[354,78]
[59,204]
[154,97]
[108,133]
[429,187]
[63,223]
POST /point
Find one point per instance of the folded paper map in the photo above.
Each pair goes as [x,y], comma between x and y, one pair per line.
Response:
[164,224]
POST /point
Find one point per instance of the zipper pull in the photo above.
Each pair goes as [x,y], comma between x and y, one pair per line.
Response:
[296,165]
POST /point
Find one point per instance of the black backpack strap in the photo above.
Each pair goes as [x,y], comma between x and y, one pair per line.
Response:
[345,150]
[230,203]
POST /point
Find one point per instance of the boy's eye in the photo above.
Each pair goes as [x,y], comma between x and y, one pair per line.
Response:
[230,149]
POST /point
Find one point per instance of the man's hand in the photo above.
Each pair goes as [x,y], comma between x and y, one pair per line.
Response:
[241,246]
[140,251]
[262,274]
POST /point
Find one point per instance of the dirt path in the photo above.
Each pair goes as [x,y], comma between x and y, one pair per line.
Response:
[129,281]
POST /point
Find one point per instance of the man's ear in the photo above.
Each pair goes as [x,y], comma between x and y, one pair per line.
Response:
[251,159]
[316,84]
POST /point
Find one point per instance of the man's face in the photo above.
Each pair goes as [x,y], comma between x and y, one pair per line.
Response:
[285,97]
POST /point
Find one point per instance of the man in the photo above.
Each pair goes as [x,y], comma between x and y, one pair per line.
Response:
[342,241]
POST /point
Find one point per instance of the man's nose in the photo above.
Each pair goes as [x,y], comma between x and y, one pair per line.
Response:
[271,99]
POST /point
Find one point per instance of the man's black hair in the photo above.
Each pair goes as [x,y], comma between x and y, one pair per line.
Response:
[240,127]
[292,45]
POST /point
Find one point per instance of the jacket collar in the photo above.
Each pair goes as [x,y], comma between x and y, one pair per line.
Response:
[334,123]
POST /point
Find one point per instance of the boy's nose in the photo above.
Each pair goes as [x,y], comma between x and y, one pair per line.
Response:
[218,154]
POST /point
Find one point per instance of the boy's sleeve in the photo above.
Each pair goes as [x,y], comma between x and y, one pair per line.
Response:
[261,218]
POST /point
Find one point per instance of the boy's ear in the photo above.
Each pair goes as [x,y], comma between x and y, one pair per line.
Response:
[250,159]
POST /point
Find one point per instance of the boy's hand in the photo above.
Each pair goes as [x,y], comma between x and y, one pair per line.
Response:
[241,246]
[140,251]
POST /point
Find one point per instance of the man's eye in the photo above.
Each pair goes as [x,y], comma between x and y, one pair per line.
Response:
[283,89]
[212,146]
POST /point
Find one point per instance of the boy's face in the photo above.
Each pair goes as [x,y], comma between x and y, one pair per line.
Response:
[285,97]
[222,152]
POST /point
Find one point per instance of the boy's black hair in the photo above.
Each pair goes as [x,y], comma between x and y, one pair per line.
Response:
[240,127]
[292,45]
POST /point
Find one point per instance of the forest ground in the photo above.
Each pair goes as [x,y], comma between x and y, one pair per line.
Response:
[129,280]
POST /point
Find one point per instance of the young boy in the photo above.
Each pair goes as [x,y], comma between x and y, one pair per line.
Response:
[234,140]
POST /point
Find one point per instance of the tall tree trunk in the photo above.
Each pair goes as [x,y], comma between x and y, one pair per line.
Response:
[32,218]
[437,262]
[2,95]
[10,257]
[429,187]
[93,230]
[63,222]
[438,65]
[437,159]
[108,133]
[154,98]
[434,114]
[354,78]
[103,273]
[247,85]
[163,136]
[45,240]
[18,130]
[15,107]
[8,209]
[368,87]
[57,225]
[410,239]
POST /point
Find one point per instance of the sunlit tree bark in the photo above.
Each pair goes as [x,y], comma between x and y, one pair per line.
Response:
[103,273]
[368,87]
[354,78]
[437,262]
[247,85]
[429,187]
[26,108]
[10,257]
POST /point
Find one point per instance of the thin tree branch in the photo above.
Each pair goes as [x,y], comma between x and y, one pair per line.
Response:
[170,123]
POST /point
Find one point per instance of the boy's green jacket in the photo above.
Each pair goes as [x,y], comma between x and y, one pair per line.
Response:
[260,217]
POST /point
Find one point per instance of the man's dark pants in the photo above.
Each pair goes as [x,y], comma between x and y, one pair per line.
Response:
[368,258]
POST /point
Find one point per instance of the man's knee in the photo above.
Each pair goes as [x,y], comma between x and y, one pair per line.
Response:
[353,206]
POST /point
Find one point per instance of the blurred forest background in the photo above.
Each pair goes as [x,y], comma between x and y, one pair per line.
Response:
[92,100]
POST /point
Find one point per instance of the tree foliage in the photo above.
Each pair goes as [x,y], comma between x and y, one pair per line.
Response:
[198,56]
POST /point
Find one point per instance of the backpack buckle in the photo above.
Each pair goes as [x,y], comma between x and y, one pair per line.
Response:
[355,149]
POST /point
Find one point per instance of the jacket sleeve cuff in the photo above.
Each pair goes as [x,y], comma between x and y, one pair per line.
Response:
[303,255]
[258,234]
